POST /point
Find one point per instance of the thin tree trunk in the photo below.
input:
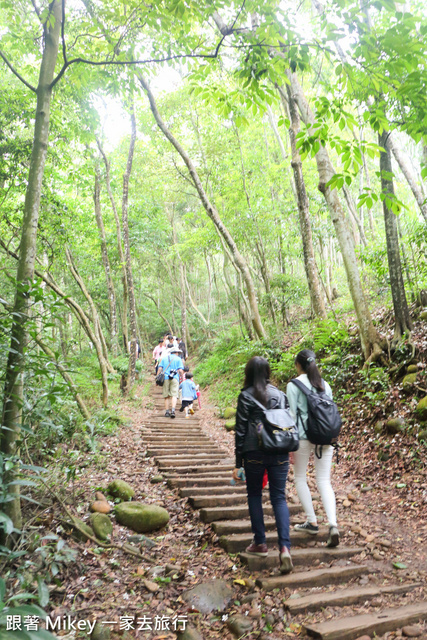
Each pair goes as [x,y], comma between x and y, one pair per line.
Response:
[372,344]
[129,275]
[310,266]
[403,324]
[119,248]
[409,175]
[11,418]
[106,262]
[211,211]
[68,379]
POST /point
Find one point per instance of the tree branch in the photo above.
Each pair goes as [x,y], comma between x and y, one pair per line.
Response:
[15,72]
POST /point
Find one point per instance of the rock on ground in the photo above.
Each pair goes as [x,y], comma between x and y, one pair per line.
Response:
[141,517]
[214,595]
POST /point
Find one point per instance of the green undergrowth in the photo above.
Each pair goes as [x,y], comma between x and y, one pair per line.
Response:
[221,367]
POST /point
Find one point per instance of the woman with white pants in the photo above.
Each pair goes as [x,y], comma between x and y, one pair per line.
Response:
[309,375]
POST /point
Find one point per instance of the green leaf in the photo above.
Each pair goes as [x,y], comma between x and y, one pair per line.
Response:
[399,565]
[43,592]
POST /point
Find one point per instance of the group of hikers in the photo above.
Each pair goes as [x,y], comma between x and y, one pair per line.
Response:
[174,376]
[273,430]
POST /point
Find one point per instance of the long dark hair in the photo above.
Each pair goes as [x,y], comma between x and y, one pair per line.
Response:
[257,375]
[307,360]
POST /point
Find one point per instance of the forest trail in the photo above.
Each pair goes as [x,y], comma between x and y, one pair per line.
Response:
[331,594]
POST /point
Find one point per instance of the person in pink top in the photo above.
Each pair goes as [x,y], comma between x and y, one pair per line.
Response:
[157,354]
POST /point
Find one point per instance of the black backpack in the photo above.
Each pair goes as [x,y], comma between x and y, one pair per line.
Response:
[277,432]
[323,422]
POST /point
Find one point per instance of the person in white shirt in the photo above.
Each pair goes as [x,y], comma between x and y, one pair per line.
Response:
[309,375]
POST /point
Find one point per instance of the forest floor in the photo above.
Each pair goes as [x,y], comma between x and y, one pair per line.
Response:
[382,506]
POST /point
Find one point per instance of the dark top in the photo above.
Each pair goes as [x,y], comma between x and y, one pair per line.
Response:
[248,415]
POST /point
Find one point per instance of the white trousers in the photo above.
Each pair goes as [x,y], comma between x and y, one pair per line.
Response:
[323,480]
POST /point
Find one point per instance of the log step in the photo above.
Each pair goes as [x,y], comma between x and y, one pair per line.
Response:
[177,457]
[299,557]
[352,627]
[342,597]
[314,578]
[237,542]
[195,468]
[238,512]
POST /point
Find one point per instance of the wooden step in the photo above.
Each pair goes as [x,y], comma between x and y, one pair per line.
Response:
[299,557]
[224,472]
[172,440]
[237,542]
[352,627]
[342,597]
[191,448]
[238,512]
[197,491]
[314,578]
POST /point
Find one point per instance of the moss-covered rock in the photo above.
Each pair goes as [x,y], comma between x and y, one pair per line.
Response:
[156,479]
[395,425]
[102,526]
[230,425]
[422,408]
[412,368]
[83,532]
[409,380]
[121,490]
[423,315]
[229,412]
[422,435]
[141,517]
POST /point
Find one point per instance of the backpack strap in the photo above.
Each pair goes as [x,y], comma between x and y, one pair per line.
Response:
[301,386]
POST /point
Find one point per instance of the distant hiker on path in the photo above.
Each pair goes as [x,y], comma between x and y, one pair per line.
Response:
[309,375]
[157,353]
[189,394]
[173,368]
[257,385]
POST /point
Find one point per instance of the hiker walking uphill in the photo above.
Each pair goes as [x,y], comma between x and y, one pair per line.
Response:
[258,393]
[172,368]
[309,376]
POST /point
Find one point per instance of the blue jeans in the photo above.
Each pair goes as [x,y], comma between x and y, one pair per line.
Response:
[255,463]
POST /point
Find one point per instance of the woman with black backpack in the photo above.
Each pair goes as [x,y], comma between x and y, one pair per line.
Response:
[258,391]
[309,376]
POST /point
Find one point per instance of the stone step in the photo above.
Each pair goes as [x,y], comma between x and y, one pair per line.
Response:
[218,500]
[228,527]
[195,456]
[212,481]
[160,440]
[237,542]
[170,422]
[184,450]
[342,597]
[224,472]
[178,429]
[237,512]
[314,578]
[190,491]
[299,557]
[213,469]
[185,462]
[352,627]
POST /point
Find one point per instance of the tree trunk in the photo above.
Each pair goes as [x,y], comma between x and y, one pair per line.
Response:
[119,248]
[211,211]
[129,276]
[13,390]
[369,336]
[402,318]
[409,175]
[310,266]
[106,262]
[68,379]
